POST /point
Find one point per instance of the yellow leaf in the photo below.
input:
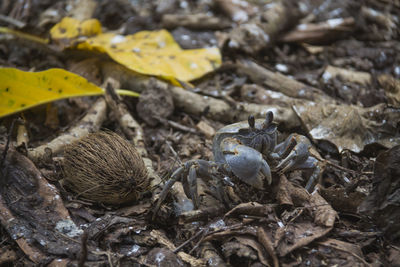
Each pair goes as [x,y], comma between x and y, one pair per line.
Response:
[20,90]
[147,52]
[155,53]
[70,28]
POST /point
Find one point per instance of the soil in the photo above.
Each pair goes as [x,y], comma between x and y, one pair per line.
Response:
[328,70]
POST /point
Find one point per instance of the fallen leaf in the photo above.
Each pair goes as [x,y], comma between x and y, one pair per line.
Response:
[340,253]
[70,28]
[349,126]
[234,248]
[155,53]
[20,90]
[382,205]
[146,52]
[250,241]
[341,200]
[292,235]
[391,86]
[324,214]
[297,235]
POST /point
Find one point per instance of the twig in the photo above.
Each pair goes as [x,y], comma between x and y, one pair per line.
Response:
[320,32]
[131,128]
[84,250]
[181,127]
[198,215]
[91,122]
[196,104]
[12,21]
[174,152]
[198,243]
[199,21]
[108,254]
[225,229]
[24,36]
[3,241]
[337,166]
[264,240]
[67,237]
[281,83]
[189,240]
[220,110]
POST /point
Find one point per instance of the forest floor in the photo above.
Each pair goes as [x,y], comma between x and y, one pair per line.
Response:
[327,70]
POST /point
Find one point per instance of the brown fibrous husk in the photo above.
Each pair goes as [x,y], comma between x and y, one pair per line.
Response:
[104,167]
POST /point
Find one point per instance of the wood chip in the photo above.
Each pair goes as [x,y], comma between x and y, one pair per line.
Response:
[206,129]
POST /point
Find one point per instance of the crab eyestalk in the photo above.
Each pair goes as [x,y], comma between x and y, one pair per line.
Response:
[269,117]
[252,121]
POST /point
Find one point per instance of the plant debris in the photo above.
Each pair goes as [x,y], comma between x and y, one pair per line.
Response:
[105,168]
[80,177]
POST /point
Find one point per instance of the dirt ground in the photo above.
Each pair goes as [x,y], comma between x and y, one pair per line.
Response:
[329,71]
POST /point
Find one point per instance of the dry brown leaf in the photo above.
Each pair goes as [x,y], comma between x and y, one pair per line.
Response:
[300,230]
[391,87]
[343,250]
[251,242]
[383,202]
[163,240]
[341,200]
[324,214]
[288,194]
[264,239]
[348,126]
[297,235]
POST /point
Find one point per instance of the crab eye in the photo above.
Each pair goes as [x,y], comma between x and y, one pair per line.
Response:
[268,119]
[251,121]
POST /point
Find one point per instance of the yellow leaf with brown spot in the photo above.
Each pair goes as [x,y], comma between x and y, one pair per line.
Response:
[20,90]
[68,29]
[147,52]
[155,53]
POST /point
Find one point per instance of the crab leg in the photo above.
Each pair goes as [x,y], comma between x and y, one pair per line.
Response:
[174,177]
[283,149]
[221,193]
[314,176]
[294,152]
[206,170]
[297,156]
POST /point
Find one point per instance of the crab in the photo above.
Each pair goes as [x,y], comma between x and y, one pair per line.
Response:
[245,150]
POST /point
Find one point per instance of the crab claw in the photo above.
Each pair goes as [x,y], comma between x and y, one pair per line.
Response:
[246,163]
[266,171]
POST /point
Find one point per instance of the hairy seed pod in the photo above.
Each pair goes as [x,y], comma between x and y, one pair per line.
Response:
[106,168]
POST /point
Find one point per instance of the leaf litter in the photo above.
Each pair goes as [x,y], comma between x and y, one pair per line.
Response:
[339,89]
